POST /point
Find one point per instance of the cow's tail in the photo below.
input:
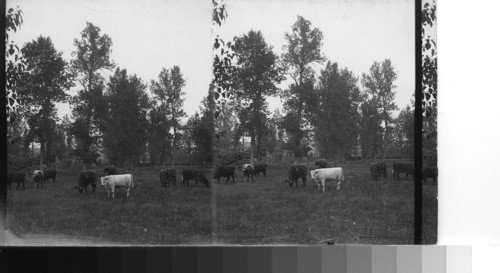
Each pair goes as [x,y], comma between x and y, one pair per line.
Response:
[342,176]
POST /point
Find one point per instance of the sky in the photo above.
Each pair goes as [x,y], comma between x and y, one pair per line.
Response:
[355,33]
[148,35]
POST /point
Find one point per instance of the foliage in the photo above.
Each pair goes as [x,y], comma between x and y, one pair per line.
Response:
[429,62]
[125,125]
[92,55]
[159,137]
[334,112]
[14,64]
[379,85]
[168,93]
[404,132]
[371,131]
[46,84]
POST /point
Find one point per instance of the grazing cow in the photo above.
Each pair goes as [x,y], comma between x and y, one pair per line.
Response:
[110,170]
[322,163]
[294,173]
[260,168]
[320,175]
[227,172]
[430,172]
[248,171]
[406,168]
[86,178]
[110,182]
[195,175]
[48,174]
[167,176]
[378,169]
[17,177]
[38,177]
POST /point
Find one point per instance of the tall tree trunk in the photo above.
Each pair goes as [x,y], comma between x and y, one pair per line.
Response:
[42,154]
[173,144]
[252,147]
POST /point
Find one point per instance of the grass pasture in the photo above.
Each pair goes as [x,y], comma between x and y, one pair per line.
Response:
[265,211]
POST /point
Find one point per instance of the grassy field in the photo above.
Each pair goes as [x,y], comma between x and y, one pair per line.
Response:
[265,211]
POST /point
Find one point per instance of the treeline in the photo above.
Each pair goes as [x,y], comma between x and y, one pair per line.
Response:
[332,114]
[114,120]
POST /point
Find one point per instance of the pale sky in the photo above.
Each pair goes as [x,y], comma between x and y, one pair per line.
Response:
[355,33]
[150,34]
[147,35]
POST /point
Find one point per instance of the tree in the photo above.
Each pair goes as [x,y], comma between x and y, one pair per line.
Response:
[46,85]
[302,51]
[125,125]
[335,112]
[92,55]
[371,131]
[256,77]
[404,131]
[168,91]
[159,137]
[379,84]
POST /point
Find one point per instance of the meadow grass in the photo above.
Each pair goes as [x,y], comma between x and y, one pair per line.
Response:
[263,211]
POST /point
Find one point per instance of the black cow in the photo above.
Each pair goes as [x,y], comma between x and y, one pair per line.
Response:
[227,172]
[378,169]
[38,177]
[430,172]
[406,168]
[17,177]
[260,168]
[322,163]
[48,174]
[248,171]
[86,178]
[294,173]
[195,175]
[110,170]
[167,176]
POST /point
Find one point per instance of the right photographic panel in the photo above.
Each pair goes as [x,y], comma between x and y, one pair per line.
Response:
[325,122]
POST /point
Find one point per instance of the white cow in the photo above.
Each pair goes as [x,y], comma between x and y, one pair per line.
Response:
[320,175]
[110,182]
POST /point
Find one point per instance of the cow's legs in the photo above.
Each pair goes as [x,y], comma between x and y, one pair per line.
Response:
[338,185]
[113,191]
[128,191]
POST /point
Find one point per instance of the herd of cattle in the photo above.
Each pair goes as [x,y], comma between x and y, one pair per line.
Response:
[111,180]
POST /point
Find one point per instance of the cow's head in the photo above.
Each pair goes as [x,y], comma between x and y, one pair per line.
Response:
[313,173]
[290,182]
[104,179]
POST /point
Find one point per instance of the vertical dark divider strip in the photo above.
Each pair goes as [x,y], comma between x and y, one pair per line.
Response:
[417,237]
[3,142]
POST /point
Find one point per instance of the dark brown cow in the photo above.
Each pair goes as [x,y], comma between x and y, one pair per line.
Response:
[48,174]
[378,169]
[430,172]
[87,178]
[260,168]
[294,173]
[406,168]
[322,163]
[17,177]
[167,176]
[195,175]
[225,171]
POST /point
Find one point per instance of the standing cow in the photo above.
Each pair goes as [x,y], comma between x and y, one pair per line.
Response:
[167,176]
[248,171]
[87,178]
[320,175]
[38,177]
[294,173]
[406,168]
[110,170]
[322,163]
[17,177]
[378,169]
[110,182]
[227,172]
[195,175]
[430,172]
[48,174]
[260,168]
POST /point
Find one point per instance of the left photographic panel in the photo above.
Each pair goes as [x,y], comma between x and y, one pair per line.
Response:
[108,132]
